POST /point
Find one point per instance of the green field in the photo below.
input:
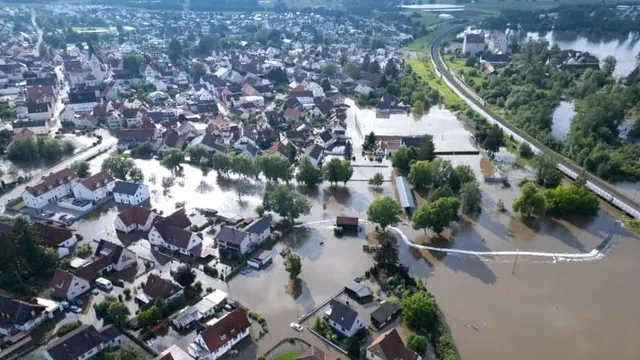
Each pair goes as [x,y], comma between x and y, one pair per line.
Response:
[465,72]
[292,355]
[425,70]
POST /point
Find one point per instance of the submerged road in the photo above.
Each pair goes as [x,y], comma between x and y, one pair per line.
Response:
[602,188]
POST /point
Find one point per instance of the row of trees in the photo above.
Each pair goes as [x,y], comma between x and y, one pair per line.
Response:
[575,199]
[122,167]
[41,149]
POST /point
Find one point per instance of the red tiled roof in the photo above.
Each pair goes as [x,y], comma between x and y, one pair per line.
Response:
[227,328]
[53,235]
[97,181]
[36,92]
[346,220]
[52,181]
[292,113]
[389,346]
[92,271]
[134,215]
[136,134]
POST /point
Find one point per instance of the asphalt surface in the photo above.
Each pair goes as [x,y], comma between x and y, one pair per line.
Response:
[474,99]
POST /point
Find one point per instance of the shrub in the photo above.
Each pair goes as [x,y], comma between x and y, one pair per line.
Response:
[67,328]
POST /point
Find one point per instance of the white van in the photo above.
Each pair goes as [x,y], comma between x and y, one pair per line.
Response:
[104,284]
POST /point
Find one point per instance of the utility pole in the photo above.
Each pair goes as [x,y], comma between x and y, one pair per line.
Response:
[515,262]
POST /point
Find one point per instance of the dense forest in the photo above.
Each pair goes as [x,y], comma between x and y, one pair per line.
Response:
[595,19]
[531,85]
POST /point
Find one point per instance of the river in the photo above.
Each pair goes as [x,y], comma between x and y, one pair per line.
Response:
[623,48]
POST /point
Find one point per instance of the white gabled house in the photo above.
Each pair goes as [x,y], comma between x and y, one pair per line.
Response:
[67,286]
[130,193]
[95,187]
[221,336]
[242,241]
[134,218]
[171,233]
[345,319]
[50,188]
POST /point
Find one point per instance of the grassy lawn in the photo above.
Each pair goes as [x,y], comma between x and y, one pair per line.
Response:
[292,355]
[496,5]
[458,66]
[425,70]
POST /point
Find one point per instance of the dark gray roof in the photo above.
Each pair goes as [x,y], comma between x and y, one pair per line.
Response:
[384,311]
[259,226]
[76,343]
[126,187]
[34,108]
[252,149]
[82,96]
[404,192]
[342,314]
[314,151]
[209,140]
[231,235]
[28,123]
[326,135]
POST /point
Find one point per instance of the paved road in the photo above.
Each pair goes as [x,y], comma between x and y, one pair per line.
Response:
[596,184]
[36,50]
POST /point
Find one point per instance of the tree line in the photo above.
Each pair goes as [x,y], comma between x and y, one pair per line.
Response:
[27,150]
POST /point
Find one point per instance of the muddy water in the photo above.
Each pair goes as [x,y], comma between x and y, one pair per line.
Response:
[567,310]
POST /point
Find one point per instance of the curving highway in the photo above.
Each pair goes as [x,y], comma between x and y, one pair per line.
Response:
[602,188]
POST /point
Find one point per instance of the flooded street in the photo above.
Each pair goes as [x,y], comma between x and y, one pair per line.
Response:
[547,309]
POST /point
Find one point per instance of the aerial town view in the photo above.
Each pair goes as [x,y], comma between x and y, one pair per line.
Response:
[319,179]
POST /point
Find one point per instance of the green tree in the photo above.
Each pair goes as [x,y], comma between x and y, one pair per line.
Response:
[293,265]
[377,179]
[118,166]
[221,163]
[371,141]
[418,107]
[67,328]
[185,275]
[150,316]
[530,202]
[275,167]
[175,50]
[441,192]
[460,175]
[143,151]
[172,159]
[112,311]
[417,343]
[471,61]
[384,211]
[196,153]
[422,174]
[490,137]
[426,151]
[326,85]
[546,173]
[288,203]
[348,151]
[307,173]
[336,170]
[198,69]
[575,199]
[14,173]
[136,174]
[471,198]
[420,312]
[435,215]
[403,157]
[124,352]
[525,151]
[132,62]
[387,255]
[243,164]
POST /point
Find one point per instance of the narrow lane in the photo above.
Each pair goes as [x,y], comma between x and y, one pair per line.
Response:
[36,50]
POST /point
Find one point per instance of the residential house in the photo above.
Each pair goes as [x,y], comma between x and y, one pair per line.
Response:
[389,346]
[148,71]
[130,193]
[473,43]
[67,286]
[384,314]
[209,142]
[207,307]
[95,187]
[84,343]
[55,237]
[315,153]
[173,353]
[281,149]
[38,127]
[313,353]
[325,139]
[39,111]
[170,141]
[20,314]
[158,288]
[130,138]
[134,218]
[108,257]
[345,319]
[291,114]
[50,188]
[218,338]
[234,240]
[83,100]
[171,233]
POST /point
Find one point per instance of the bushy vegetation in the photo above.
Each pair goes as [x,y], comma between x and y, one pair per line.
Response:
[41,149]
[67,328]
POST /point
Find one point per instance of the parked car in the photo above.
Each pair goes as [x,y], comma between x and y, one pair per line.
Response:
[77,302]
[75,309]
[65,304]
[296,327]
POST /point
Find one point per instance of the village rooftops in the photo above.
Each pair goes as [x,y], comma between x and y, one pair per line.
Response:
[134,215]
[226,328]
[52,181]
[97,181]
[389,346]
[79,341]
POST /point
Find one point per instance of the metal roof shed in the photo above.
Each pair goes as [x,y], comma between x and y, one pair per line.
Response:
[405,194]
